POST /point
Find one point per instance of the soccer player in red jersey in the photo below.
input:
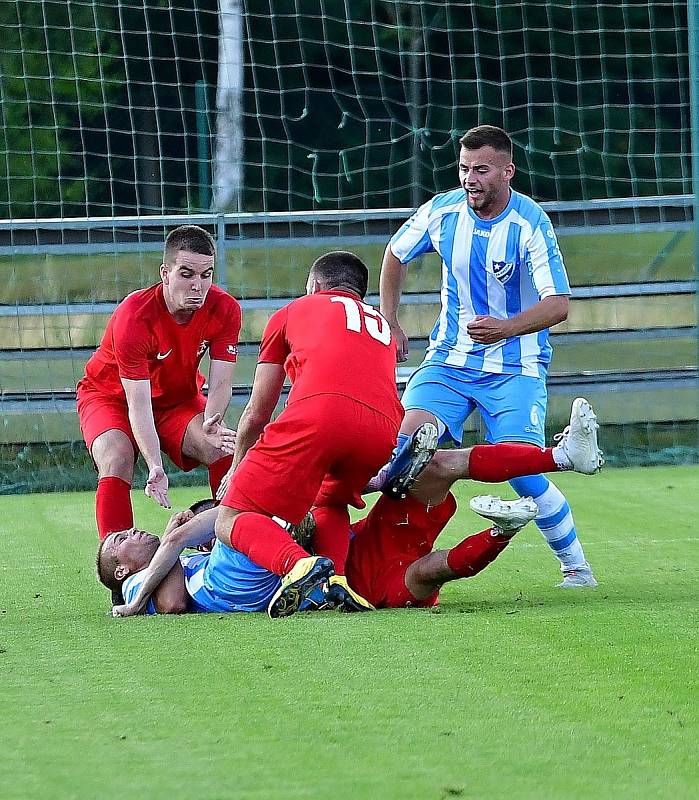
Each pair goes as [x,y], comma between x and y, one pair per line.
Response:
[341,419]
[390,559]
[142,390]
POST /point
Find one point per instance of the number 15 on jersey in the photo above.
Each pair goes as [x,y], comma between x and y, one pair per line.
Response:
[357,313]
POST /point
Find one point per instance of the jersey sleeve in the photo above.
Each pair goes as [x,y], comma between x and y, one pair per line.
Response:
[132,345]
[545,261]
[224,345]
[274,347]
[131,585]
[413,239]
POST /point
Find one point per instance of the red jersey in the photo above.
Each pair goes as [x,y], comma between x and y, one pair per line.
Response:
[143,341]
[333,343]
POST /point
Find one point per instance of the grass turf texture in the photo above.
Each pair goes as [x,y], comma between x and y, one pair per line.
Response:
[514,689]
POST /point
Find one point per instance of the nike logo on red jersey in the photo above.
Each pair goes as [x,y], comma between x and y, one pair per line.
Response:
[161,356]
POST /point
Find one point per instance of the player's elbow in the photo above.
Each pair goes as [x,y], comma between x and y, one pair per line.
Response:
[172,605]
[560,304]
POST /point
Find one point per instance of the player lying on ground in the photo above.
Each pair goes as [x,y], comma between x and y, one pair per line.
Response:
[390,561]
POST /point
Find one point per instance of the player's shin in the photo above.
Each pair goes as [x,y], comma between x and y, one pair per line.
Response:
[493,463]
[113,510]
[263,541]
[475,552]
[332,535]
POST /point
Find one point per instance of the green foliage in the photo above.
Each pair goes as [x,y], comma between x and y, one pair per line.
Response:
[57,74]
[514,690]
[344,105]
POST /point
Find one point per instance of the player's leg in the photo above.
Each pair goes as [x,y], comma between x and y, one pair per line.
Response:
[114,457]
[433,395]
[514,410]
[269,545]
[107,433]
[424,577]
[332,534]
[394,534]
[196,448]
[576,450]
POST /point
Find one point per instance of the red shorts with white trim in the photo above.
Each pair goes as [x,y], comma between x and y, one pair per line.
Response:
[394,535]
[99,414]
[321,450]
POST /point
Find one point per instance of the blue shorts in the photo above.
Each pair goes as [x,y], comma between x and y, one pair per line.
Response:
[513,407]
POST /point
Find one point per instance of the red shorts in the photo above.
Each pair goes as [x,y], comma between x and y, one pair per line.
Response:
[320,450]
[394,535]
[99,414]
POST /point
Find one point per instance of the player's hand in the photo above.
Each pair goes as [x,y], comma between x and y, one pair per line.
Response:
[401,341]
[124,611]
[223,486]
[177,519]
[218,435]
[156,487]
[488,330]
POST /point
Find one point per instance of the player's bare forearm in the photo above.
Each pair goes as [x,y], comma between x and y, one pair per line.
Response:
[390,289]
[250,427]
[138,400]
[266,390]
[544,314]
[220,382]
[391,285]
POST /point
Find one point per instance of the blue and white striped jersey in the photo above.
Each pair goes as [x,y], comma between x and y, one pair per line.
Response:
[222,580]
[496,268]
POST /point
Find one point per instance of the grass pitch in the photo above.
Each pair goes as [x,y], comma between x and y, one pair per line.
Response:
[514,689]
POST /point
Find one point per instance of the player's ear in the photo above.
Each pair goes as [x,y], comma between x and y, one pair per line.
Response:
[121,572]
[510,171]
[164,273]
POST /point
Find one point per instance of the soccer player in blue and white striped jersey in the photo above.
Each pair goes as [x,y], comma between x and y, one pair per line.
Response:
[503,285]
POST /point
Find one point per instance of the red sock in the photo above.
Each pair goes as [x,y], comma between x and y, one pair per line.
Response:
[332,536]
[113,506]
[216,472]
[266,543]
[493,463]
[475,553]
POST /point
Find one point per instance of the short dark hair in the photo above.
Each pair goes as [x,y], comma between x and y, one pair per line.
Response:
[191,239]
[202,505]
[487,136]
[341,270]
[105,569]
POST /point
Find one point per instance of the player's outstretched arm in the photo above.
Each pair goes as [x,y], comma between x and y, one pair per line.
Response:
[138,400]
[218,398]
[390,289]
[195,531]
[266,390]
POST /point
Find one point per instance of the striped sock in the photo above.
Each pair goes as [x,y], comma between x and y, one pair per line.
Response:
[555,519]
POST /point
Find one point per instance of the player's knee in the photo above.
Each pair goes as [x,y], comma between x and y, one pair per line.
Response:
[224,524]
[415,417]
[114,456]
[426,575]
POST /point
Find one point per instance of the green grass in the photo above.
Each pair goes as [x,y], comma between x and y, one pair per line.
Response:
[514,690]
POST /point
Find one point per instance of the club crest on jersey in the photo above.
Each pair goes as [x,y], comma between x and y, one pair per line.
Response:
[503,270]
[203,347]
